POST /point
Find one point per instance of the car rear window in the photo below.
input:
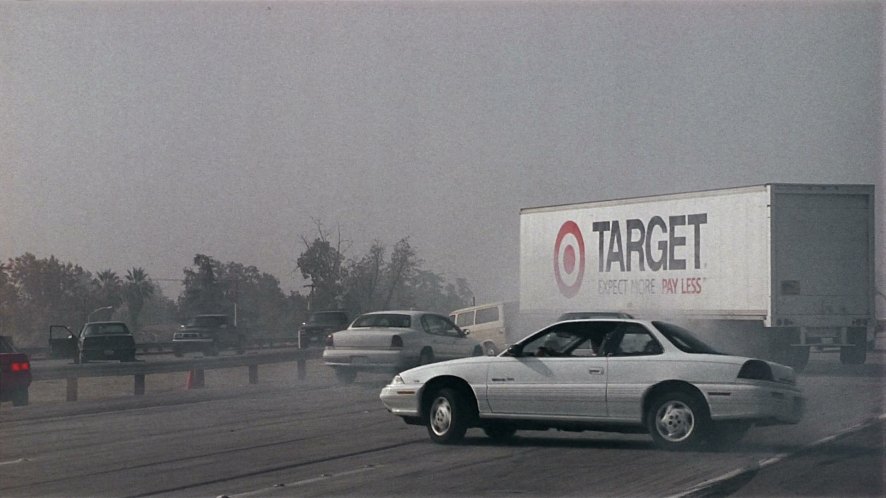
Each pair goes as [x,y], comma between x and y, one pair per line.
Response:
[384,320]
[684,339]
[106,329]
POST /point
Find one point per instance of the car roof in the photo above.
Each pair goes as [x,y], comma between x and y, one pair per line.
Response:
[403,312]
[107,322]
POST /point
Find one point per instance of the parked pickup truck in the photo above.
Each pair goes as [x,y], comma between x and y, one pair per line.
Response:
[208,334]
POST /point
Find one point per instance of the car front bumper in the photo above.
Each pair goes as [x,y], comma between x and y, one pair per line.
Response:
[401,400]
[764,404]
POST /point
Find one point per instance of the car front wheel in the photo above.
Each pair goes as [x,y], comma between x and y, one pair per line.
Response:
[447,416]
[677,420]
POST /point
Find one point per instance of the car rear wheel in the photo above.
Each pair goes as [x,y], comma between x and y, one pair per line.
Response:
[426,357]
[447,416]
[500,432]
[677,420]
[345,375]
[20,397]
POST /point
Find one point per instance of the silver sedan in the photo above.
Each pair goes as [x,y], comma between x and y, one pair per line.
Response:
[391,341]
[619,375]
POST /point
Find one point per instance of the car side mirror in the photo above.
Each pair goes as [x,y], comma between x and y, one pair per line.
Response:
[515,350]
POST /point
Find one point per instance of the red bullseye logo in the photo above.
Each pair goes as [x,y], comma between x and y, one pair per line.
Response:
[569,259]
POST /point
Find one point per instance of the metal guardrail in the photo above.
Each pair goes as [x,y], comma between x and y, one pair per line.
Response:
[196,366]
[164,347]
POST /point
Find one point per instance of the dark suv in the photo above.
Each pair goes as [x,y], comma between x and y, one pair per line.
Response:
[208,334]
[319,325]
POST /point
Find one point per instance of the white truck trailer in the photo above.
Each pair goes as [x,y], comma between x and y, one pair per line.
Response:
[771,269]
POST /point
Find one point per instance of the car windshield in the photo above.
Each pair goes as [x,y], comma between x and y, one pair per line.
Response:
[105,329]
[684,339]
[327,319]
[206,321]
[383,320]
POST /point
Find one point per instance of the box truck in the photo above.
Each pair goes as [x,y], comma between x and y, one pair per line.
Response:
[769,270]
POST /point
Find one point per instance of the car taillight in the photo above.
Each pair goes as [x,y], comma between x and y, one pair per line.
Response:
[20,366]
[755,370]
[396,342]
[329,341]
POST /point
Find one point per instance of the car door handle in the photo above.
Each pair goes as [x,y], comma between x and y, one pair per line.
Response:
[595,371]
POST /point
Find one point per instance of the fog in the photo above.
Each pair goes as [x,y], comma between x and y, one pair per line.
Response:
[143,133]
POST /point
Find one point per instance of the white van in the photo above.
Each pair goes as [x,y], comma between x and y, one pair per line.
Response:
[487,323]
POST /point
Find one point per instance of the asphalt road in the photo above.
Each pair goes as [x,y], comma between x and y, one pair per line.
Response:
[318,438]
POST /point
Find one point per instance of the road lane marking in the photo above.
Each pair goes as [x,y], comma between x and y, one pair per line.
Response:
[707,487]
[19,460]
[322,477]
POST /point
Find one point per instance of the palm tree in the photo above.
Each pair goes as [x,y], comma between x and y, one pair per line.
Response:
[109,287]
[136,291]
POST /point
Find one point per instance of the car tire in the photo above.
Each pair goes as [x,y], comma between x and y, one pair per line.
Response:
[678,420]
[478,351]
[345,375]
[426,357]
[447,416]
[857,353]
[725,435]
[500,432]
[20,397]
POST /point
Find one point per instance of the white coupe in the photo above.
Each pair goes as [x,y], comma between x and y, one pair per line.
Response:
[618,375]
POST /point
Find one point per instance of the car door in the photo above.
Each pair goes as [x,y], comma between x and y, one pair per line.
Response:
[635,364]
[62,342]
[530,385]
[446,339]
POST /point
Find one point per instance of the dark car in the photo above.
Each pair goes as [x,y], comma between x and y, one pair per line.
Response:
[320,324]
[96,341]
[15,373]
[208,334]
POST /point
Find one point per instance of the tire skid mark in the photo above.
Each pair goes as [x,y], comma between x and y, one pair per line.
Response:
[732,481]
[303,482]
[277,468]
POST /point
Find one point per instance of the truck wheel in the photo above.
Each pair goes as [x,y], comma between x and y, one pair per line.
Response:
[490,349]
[857,353]
[678,420]
[447,416]
[20,397]
[345,375]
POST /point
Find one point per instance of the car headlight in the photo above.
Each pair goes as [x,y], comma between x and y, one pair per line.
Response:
[397,380]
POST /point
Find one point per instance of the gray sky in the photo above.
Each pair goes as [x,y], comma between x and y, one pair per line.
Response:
[140,134]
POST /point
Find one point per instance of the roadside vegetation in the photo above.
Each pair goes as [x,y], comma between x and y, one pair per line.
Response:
[38,292]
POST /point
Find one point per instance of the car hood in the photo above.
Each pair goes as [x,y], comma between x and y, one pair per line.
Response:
[457,366]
